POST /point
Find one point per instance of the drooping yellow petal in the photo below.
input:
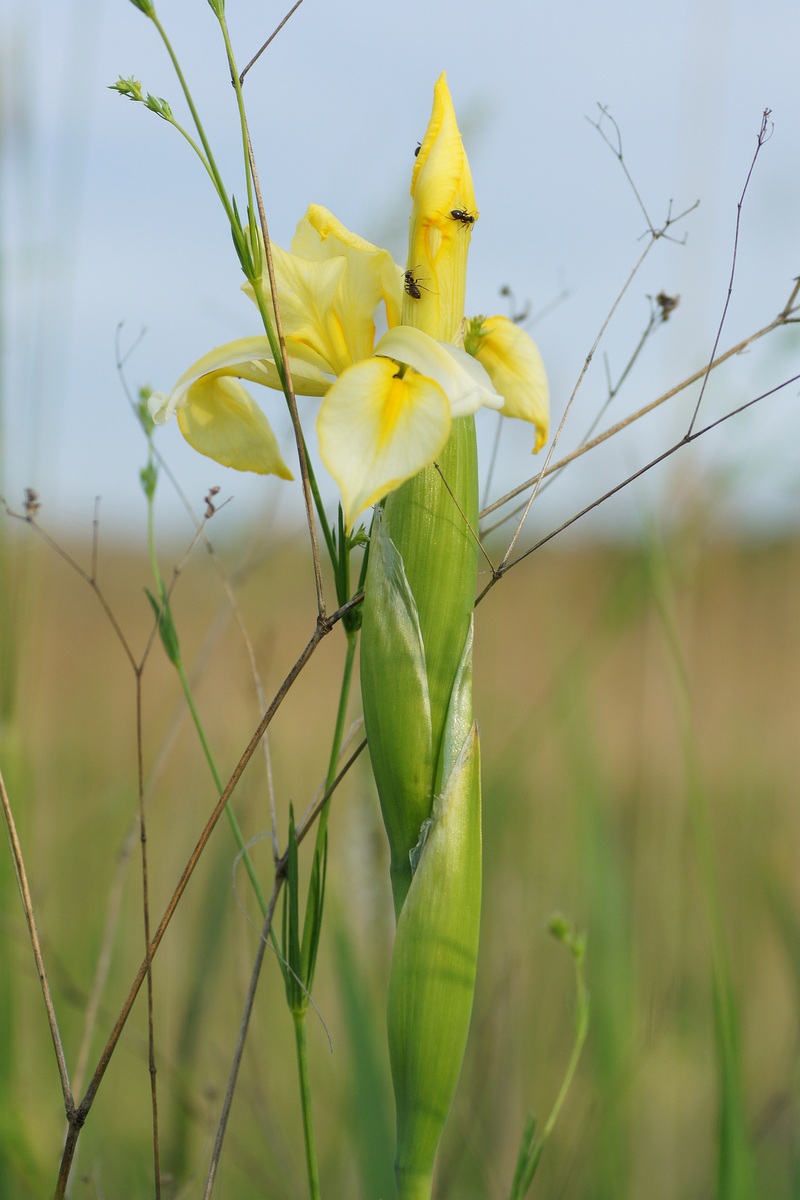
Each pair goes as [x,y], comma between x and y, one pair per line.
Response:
[514,365]
[247,358]
[329,287]
[377,429]
[221,420]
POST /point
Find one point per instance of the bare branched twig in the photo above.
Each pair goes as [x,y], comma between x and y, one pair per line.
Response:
[79,1115]
[464,517]
[271,38]
[290,396]
[669,221]
[686,440]
[660,308]
[201,528]
[615,146]
[655,234]
[27,904]
[280,875]
[763,137]
[787,316]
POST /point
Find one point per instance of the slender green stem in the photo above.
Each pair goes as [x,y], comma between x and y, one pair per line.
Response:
[341,715]
[187,692]
[305,1100]
[258,293]
[229,813]
[312,923]
[251,208]
[531,1147]
[314,906]
[213,169]
[188,137]
[323,520]
[581,1030]
[413,1186]
[255,279]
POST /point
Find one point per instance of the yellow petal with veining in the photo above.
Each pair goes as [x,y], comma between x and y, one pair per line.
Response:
[221,420]
[377,429]
[513,363]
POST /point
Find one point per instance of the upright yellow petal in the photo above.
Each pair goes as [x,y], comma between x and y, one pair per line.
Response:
[329,287]
[372,276]
[442,221]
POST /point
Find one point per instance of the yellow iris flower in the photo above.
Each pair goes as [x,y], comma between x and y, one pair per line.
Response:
[388,406]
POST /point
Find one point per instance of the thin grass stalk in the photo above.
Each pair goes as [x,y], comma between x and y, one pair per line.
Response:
[735,1167]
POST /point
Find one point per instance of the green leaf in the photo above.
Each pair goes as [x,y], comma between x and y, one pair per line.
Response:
[291,964]
[166,626]
[394,687]
[432,978]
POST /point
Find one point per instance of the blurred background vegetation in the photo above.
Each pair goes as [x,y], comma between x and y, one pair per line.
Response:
[640,718]
[639,704]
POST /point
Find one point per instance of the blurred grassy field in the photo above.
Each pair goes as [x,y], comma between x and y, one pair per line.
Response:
[640,722]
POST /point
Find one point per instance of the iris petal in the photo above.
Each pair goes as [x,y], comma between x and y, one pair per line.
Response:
[329,286]
[377,429]
[220,420]
[466,383]
[514,364]
[247,358]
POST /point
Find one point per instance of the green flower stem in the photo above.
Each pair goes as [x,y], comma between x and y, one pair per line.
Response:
[323,517]
[531,1149]
[341,715]
[210,161]
[254,258]
[415,1187]
[416,683]
[251,210]
[312,924]
[229,813]
[187,692]
[305,1097]
[258,293]
[428,538]
[315,902]
[581,1030]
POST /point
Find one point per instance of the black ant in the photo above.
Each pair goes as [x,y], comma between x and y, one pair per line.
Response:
[462,216]
[412,285]
[419,147]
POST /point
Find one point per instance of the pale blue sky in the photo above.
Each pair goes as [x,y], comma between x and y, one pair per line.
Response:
[107,219]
